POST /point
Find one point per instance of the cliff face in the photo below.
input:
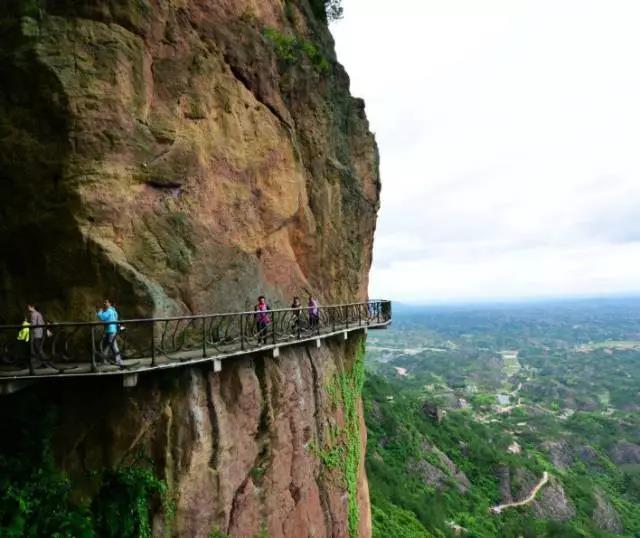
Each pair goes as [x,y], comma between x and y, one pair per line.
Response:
[179,156]
[241,451]
[268,446]
[184,156]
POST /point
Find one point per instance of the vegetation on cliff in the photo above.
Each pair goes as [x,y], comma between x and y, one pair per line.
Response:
[349,391]
[342,452]
[36,498]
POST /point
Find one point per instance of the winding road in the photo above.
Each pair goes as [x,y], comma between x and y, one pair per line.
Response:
[527,500]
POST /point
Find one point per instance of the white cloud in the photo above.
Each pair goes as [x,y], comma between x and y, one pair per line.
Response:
[509,134]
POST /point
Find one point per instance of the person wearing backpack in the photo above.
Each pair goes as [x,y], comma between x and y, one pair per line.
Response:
[109,315]
[23,350]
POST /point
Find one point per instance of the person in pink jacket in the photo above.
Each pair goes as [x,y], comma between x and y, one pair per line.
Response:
[262,319]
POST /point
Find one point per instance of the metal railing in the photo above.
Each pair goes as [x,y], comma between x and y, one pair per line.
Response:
[144,344]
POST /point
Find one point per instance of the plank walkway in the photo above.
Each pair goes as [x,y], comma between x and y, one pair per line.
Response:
[12,379]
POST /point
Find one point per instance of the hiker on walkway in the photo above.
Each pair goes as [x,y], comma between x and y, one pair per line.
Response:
[262,319]
[297,314]
[314,313]
[36,337]
[109,314]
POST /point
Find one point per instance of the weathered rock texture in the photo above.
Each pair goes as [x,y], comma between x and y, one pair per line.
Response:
[175,156]
[171,155]
[605,515]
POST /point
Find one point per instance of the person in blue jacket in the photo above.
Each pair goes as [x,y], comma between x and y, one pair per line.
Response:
[110,314]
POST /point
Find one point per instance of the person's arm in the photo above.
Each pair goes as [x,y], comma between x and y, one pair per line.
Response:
[102,315]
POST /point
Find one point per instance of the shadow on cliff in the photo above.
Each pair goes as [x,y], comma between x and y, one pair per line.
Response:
[44,256]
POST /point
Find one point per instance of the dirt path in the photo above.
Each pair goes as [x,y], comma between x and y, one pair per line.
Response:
[515,392]
[527,500]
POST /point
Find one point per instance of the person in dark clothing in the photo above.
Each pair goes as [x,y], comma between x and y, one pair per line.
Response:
[296,325]
[262,319]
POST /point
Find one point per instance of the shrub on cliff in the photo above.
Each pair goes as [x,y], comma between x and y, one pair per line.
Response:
[292,50]
[36,497]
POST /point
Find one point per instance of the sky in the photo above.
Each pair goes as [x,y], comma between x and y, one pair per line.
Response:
[509,135]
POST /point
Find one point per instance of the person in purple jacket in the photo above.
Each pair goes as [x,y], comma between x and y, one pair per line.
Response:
[314,313]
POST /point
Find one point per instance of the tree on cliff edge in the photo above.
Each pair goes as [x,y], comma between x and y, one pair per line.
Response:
[329,10]
[333,9]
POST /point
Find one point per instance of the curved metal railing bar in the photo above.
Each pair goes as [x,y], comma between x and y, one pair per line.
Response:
[79,348]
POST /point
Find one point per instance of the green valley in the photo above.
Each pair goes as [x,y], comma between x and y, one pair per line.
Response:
[506,420]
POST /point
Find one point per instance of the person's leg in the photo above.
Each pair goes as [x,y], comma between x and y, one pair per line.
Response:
[40,351]
[108,351]
[104,348]
[267,332]
[36,352]
[115,351]
[32,355]
[263,332]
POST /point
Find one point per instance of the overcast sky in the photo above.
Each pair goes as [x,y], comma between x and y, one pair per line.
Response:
[509,136]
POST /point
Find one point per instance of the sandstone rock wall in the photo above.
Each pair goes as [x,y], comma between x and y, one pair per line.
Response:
[178,156]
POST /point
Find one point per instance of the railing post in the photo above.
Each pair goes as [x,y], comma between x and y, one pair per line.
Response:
[242,332]
[204,339]
[346,316]
[153,343]
[94,368]
[273,327]
[359,315]
[333,319]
